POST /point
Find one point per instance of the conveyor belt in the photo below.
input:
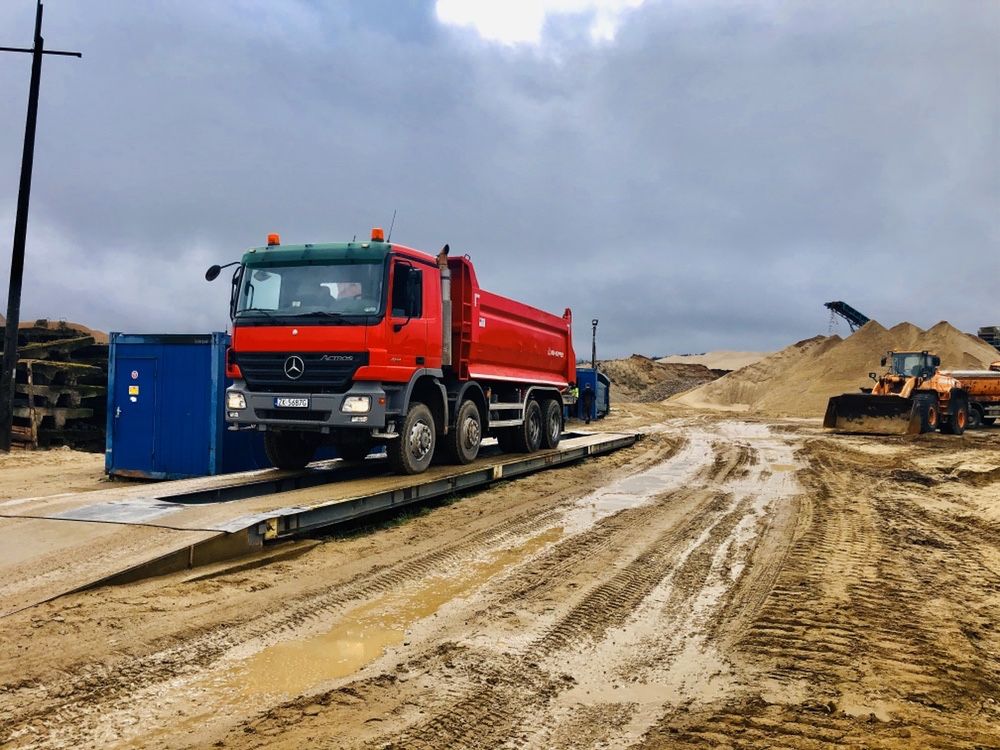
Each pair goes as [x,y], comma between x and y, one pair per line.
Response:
[64,543]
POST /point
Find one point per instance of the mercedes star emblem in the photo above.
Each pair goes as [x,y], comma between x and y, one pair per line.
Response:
[294,367]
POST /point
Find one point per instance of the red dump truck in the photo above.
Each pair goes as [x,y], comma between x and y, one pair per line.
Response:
[358,343]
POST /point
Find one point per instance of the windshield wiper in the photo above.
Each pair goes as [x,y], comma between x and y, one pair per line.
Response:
[269,313]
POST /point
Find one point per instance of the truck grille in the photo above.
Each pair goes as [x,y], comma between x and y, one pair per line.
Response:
[322,372]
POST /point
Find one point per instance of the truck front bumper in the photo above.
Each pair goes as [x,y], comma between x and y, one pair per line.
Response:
[323,412]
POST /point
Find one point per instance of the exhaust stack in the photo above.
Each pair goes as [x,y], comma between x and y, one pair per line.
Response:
[442,260]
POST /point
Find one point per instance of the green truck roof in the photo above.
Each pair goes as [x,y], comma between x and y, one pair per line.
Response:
[344,252]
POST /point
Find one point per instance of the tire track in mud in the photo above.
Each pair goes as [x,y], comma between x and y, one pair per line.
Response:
[639,564]
[850,639]
[93,690]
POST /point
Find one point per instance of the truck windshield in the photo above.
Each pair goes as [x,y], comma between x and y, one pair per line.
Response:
[330,289]
[911,364]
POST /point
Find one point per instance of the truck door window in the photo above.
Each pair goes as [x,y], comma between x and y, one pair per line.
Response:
[407,291]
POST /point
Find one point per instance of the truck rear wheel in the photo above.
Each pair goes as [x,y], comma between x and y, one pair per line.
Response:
[975,416]
[552,423]
[289,450]
[463,442]
[412,451]
[528,437]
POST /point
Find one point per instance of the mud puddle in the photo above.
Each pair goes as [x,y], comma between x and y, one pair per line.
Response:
[299,667]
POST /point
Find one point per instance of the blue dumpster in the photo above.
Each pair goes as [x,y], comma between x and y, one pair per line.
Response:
[600,384]
[165,400]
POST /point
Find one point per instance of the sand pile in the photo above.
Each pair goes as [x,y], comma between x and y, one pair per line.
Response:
[798,380]
[639,378]
[720,360]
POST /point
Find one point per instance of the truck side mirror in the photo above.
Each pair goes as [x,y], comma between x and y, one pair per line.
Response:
[213,273]
[936,361]
[882,361]
[873,376]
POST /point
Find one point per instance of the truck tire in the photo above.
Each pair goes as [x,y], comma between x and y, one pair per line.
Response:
[528,436]
[464,440]
[289,450]
[552,423]
[412,451]
[975,416]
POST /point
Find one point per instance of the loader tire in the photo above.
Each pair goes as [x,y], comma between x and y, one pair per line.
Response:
[412,451]
[289,450]
[958,420]
[462,442]
[552,423]
[930,416]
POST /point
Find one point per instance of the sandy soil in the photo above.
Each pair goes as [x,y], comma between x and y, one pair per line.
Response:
[41,473]
[727,582]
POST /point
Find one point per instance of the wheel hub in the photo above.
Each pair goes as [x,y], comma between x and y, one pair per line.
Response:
[421,439]
[471,433]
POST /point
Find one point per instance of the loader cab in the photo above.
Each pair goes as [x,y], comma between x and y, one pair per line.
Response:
[912,364]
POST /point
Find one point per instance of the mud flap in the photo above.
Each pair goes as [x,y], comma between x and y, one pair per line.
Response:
[873,415]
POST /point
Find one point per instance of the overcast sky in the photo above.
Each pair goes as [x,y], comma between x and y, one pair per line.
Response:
[698,175]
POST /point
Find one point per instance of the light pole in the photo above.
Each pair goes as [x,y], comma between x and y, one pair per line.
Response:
[593,345]
[8,377]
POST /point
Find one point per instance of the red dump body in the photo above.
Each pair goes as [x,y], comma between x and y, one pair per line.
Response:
[497,338]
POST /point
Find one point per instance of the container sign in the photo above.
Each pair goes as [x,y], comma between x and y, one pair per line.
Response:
[135,374]
[133,390]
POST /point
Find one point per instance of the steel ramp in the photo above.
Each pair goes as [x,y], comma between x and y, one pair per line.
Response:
[64,543]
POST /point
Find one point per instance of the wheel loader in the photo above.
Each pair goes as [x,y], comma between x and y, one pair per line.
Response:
[911,398]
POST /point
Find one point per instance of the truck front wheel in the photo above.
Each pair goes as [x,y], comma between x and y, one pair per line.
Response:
[289,450]
[463,441]
[412,451]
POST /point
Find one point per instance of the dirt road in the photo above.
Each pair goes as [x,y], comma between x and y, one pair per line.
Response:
[724,583]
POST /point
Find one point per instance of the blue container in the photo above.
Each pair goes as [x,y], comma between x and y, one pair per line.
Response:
[600,385]
[165,398]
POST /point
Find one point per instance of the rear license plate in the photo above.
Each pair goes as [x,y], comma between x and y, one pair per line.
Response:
[291,403]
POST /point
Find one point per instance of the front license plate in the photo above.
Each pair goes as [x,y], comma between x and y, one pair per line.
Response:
[291,403]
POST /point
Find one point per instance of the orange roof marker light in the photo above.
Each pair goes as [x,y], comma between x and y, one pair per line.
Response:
[378,235]
[273,239]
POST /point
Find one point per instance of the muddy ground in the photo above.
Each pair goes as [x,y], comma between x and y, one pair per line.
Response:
[723,583]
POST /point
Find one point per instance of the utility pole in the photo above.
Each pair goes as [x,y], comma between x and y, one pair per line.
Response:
[8,377]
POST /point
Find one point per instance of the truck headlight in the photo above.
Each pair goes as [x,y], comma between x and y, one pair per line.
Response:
[356,404]
[235,400]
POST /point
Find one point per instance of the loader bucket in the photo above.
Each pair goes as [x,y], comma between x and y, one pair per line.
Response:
[873,415]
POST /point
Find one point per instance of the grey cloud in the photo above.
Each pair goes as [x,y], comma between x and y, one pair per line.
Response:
[707,180]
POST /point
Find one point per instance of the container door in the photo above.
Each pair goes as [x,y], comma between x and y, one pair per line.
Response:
[134,414]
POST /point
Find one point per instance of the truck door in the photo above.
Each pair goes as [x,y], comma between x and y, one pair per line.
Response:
[407,315]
